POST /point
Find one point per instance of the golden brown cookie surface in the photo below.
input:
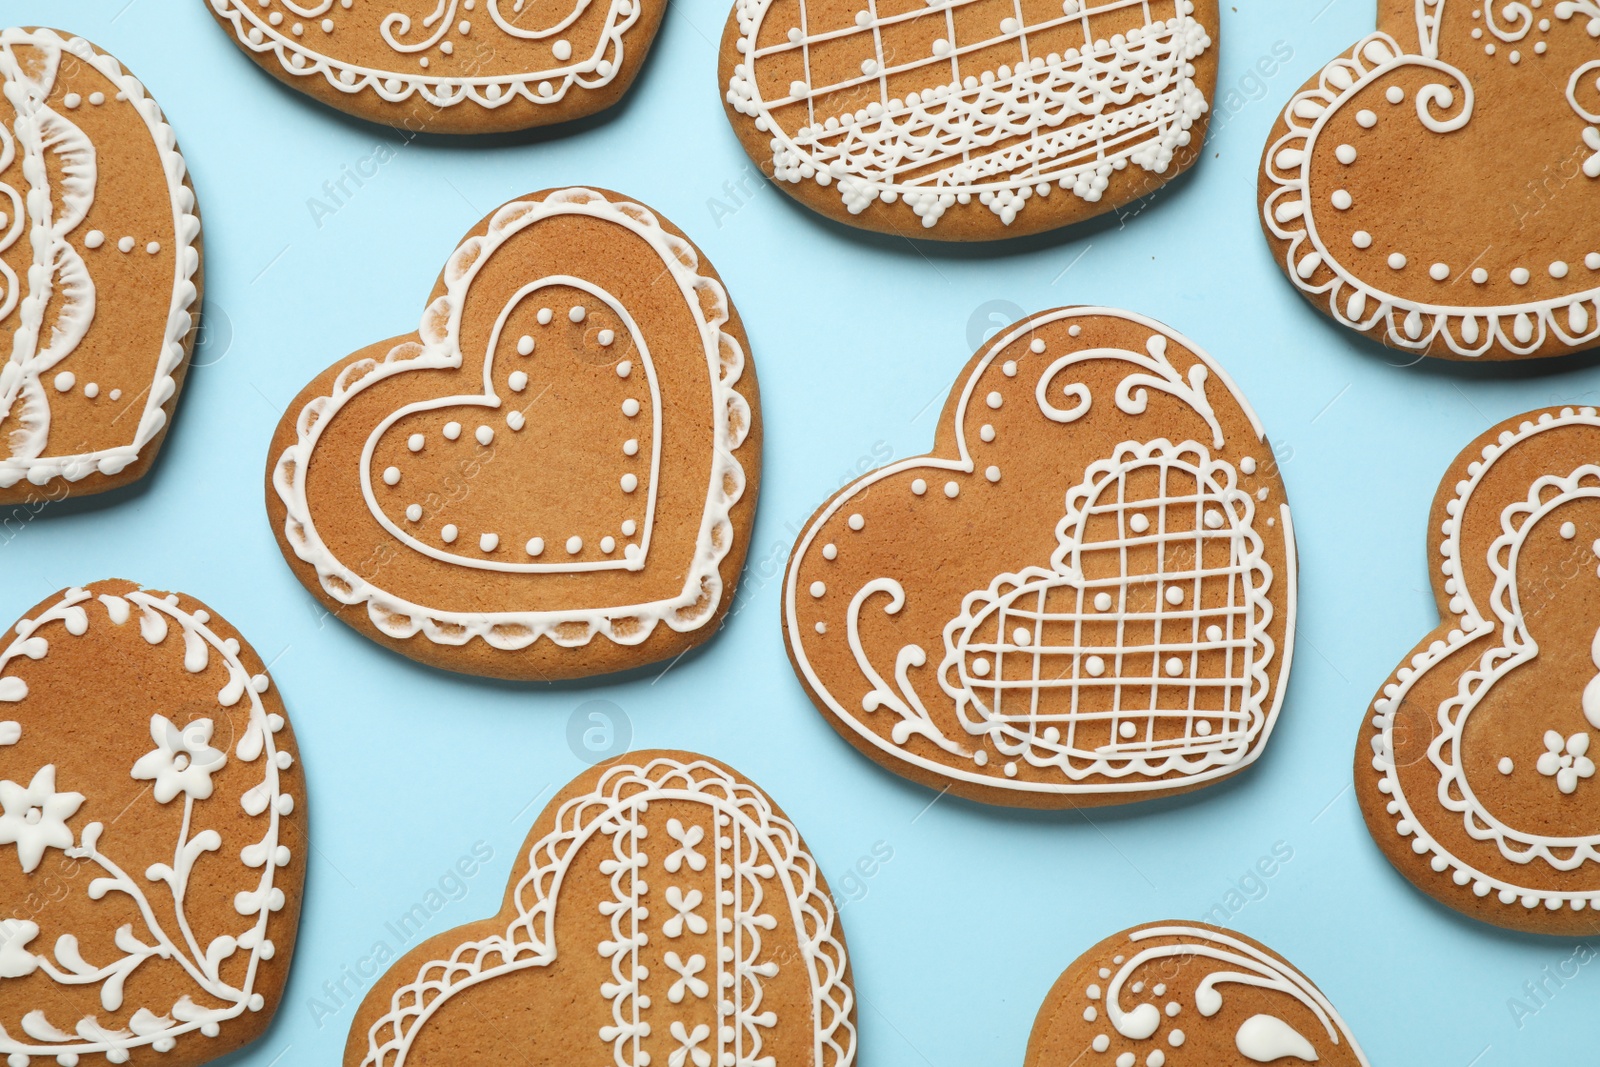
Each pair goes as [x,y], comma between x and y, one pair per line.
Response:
[1437,187]
[555,476]
[1084,595]
[152,833]
[1473,767]
[969,120]
[664,911]
[99,270]
[449,66]
[1179,994]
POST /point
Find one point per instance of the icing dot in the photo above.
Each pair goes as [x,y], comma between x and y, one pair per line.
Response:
[986,432]
[1022,637]
[125,244]
[830,551]
[1174,667]
[1558,269]
[1213,632]
[1439,271]
[391,476]
[1397,261]
[1505,765]
[624,368]
[518,381]
[562,50]
[535,546]
[1592,261]
[115,394]
[941,46]
[524,345]
[630,447]
[605,337]
[1345,154]
[1395,95]
[1480,276]
[1213,519]
[1520,275]
[574,545]
[65,381]
[630,407]
[1036,346]
[1203,728]
[629,527]
[1127,729]
[818,589]
[97,99]
[452,430]
[1009,369]
[822,627]
[1102,601]
[577,314]
[1366,119]
[993,400]
[1175,1038]
[918,486]
[992,473]
[630,482]
[1074,330]
[1100,1043]
[327,25]
[72,100]
[1361,239]
[980,667]
[448,534]
[489,542]
[484,435]
[1139,523]
[94,239]
[414,512]
[1568,530]
[608,545]
[1094,666]
[1341,199]
[1090,1014]
[544,317]
[1248,464]
[415,442]
[951,489]
[91,390]
[857,521]
[153,247]
[1174,595]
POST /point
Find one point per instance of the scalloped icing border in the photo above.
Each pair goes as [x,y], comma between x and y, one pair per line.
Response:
[489,92]
[509,631]
[185,294]
[529,940]
[1519,329]
[1493,662]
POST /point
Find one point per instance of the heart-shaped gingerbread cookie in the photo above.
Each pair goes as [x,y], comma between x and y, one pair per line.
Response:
[1171,994]
[969,120]
[449,66]
[1084,595]
[664,912]
[99,270]
[555,476]
[1437,187]
[1474,768]
[152,833]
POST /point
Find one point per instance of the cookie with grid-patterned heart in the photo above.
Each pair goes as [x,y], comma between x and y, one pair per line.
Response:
[663,911]
[1084,595]
[965,120]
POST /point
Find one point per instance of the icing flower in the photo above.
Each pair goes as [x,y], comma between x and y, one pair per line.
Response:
[35,818]
[1565,761]
[183,760]
[15,960]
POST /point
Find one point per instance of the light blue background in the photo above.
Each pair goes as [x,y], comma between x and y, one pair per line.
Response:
[857,339]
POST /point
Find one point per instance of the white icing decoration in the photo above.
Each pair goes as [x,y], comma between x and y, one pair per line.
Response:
[969,130]
[702,585]
[1313,264]
[181,766]
[753,875]
[59,163]
[259,33]
[1043,735]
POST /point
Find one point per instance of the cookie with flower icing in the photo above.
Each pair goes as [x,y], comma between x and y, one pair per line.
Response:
[1085,593]
[1437,186]
[1474,766]
[152,833]
[663,910]
[555,475]
[449,66]
[1171,994]
[99,270]
[969,119]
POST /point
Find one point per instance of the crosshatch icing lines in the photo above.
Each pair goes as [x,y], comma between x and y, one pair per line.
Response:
[1092,599]
[944,102]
